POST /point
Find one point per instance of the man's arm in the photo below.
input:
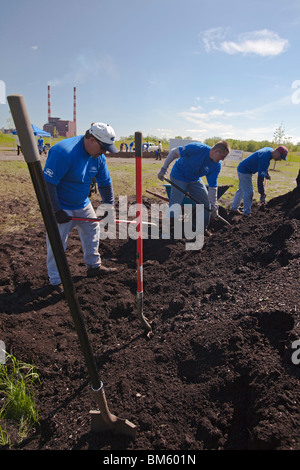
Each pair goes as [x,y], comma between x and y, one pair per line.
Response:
[170,158]
[61,216]
[107,194]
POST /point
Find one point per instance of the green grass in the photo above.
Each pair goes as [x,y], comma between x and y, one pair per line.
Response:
[283,180]
[16,187]
[22,210]
[17,380]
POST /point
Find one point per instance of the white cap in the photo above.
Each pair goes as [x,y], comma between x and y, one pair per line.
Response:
[105,134]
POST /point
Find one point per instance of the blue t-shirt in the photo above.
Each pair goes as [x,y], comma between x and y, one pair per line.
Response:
[71,169]
[257,162]
[195,162]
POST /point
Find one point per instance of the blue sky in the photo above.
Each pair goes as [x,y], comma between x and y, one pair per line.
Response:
[164,67]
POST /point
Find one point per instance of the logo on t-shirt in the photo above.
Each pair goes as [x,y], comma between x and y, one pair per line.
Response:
[49,172]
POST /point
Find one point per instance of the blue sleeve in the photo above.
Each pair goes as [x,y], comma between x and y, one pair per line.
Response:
[56,167]
[263,165]
[212,178]
[107,194]
[53,196]
[103,176]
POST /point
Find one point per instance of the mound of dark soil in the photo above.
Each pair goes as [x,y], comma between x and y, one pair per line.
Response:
[217,372]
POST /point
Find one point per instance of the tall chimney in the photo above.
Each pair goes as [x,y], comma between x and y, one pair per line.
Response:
[49,104]
[74,113]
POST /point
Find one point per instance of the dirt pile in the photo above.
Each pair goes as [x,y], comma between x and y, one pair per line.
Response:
[217,372]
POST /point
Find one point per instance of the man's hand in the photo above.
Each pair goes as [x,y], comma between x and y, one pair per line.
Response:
[161,174]
[62,217]
[214,212]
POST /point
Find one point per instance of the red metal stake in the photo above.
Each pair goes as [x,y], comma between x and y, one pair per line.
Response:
[139,218]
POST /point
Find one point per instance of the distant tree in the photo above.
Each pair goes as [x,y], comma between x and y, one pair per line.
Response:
[279,135]
[280,138]
[251,147]
[211,141]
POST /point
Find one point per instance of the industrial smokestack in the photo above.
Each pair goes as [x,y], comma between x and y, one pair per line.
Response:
[74,113]
[49,104]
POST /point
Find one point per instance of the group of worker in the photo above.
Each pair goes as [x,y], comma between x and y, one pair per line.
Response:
[74,163]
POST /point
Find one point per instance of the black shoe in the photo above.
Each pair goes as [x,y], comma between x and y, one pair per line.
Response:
[236,212]
[99,271]
[57,290]
[49,289]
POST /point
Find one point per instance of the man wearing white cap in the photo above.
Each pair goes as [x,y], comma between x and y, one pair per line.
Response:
[71,166]
[258,162]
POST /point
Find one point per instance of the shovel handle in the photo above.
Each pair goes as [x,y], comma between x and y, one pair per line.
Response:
[139,200]
[24,128]
[195,200]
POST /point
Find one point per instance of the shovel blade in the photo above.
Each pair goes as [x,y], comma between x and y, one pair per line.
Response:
[116,425]
[104,420]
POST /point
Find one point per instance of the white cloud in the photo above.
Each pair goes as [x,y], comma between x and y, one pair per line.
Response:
[166,133]
[34,48]
[84,66]
[193,115]
[264,43]
[237,124]
[212,38]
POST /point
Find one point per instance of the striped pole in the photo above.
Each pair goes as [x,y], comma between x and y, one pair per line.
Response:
[139,201]
[49,104]
[74,112]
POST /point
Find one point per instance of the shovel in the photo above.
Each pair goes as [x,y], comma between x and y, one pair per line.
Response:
[103,419]
[195,200]
[116,221]
[138,158]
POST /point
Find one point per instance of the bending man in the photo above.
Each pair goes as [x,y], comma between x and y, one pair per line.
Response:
[258,162]
[193,161]
[69,171]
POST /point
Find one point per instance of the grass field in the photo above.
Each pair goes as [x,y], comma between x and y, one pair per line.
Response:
[16,187]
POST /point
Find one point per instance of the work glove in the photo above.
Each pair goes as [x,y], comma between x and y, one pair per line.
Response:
[106,210]
[62,217]
[268,177]
[214,212]
[161,174]
[101,217]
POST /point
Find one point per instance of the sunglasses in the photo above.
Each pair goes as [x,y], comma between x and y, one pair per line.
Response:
[100,143]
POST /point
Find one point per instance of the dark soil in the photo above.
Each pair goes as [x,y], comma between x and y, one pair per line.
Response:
[217,372]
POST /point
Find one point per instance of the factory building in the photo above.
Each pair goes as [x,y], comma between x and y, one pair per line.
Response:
[58,127]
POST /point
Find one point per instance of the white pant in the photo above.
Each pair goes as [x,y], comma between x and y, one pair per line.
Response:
[89,233]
